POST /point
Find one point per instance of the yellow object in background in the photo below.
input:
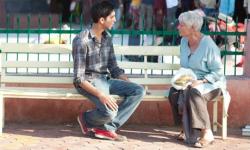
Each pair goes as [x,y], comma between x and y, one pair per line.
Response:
[58,39]
[55,41]
[136,3]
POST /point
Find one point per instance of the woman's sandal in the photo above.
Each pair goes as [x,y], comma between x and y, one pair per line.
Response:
[181,136]
[203,143]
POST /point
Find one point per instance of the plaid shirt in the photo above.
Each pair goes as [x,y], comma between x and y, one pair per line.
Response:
[92,58]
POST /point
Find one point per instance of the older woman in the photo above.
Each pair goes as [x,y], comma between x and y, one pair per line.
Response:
[199,53]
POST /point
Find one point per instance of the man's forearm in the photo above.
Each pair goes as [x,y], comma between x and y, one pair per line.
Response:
[90,88]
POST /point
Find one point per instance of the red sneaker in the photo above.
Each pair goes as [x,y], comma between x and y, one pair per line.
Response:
[84,129]
[109,135]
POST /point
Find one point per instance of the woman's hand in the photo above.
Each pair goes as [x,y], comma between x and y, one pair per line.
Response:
[109,101]
[198,82]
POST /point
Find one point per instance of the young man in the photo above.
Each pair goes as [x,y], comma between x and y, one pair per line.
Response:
[97,76]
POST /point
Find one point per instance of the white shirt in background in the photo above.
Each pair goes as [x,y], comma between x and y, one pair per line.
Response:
[209,3]
[247,5]
[171,3]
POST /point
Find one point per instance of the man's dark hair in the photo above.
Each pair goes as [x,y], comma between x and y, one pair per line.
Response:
[101,9]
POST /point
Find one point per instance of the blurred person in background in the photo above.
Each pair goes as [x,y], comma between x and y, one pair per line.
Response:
[118,5]
[146,14]
[209,7]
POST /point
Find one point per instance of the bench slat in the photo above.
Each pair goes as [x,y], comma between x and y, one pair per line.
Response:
[67,49]
[36,79]
[152,81]
[56,64]
[148,65]
[36,64]
[65,93]
[35,48]
[148,50]
[69,80]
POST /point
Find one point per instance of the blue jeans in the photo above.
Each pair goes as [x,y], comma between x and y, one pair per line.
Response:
[103,117]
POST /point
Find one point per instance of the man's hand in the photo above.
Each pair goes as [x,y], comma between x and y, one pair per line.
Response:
[109,101]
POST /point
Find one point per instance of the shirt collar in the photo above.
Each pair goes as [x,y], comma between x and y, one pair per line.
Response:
[93,36]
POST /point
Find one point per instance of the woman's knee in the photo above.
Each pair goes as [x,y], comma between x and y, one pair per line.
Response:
[194,94]
[194,91]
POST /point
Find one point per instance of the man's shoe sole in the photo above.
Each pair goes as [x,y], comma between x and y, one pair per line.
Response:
[103,137]
[81,126]
[109,138]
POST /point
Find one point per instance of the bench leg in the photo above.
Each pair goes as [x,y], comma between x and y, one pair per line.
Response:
[215,115]
[224,121]
[1,113]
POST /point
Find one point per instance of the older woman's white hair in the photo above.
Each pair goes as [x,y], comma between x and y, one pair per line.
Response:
[192,19]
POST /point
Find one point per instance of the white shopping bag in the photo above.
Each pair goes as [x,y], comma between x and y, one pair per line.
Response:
[183,78]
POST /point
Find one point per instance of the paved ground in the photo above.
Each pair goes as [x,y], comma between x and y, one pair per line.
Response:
[68,137]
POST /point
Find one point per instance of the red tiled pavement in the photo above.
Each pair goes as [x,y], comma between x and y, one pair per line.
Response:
[69,137]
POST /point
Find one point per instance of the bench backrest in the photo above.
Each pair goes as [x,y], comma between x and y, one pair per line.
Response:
[53,63]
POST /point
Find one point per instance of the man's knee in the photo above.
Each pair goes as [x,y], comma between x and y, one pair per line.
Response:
[140,90]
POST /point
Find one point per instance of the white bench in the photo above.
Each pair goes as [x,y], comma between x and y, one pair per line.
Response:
[44,71]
